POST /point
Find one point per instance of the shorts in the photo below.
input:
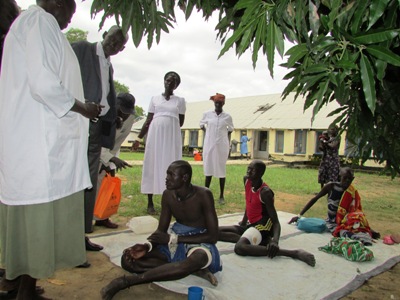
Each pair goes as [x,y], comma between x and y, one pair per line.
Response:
[259,232]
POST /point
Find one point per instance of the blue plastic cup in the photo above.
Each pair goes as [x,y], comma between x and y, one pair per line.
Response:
[195,293]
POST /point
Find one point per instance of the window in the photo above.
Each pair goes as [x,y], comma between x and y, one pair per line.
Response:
[300,141]
[318,133]
[263,138]
[279,141]
[183,137]
[193,138]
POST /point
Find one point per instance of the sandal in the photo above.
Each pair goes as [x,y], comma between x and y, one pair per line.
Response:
[388,240]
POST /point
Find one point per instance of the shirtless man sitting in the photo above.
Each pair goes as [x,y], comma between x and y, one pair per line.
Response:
[188,247]
[259,231]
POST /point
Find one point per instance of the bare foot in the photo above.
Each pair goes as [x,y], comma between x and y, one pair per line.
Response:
[307,257]
[207,275]
[118,284]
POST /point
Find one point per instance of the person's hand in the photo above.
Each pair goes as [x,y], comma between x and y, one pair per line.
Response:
[135,145]
[92,110]
[294,220]
[138,250]
[272,249]
[159,237]
[119,163]
[242,224]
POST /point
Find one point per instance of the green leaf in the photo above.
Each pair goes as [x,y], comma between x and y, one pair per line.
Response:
[368,82]
[295,54]
[229,43]
[244,4]
[290,87]
[380,67]
[345,64]
[279,42]
[359,14]
[293,73]
[376,10]
[270,47]
[322,43]
[311,81]
[335,6]
[384,54]
[317,68]
[376,36]
[323,86]
[245,40]
[345,15]
[189,9]
[257,42]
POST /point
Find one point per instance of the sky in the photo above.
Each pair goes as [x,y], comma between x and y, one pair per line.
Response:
[190,49]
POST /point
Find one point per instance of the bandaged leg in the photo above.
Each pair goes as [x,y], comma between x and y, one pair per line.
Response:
[253,236]
[204,272]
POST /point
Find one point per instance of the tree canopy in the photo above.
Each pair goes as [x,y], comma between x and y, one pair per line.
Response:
[345,51]
[75,35]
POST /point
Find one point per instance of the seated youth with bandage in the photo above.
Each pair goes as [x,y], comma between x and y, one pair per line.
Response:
[259,231]
[188,247]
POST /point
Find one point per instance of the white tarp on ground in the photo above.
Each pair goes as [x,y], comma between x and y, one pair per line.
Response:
[279,278]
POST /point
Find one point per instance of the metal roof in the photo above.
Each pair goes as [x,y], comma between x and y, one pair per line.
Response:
[261,112]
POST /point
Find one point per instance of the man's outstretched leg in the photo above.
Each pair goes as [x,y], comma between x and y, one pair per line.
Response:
[244,248]
[299,254]
[165,272]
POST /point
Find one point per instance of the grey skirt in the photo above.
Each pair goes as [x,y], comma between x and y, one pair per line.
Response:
[39,239]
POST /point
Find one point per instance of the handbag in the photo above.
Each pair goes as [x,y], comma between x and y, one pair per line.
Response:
[311,225]
[108,198]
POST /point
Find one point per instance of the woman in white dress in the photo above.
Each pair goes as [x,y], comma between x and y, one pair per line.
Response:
[218,127]
[166,115]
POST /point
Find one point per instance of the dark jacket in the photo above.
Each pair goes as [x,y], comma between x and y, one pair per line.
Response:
[91,79]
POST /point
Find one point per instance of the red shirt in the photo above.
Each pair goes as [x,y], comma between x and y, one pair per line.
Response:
[255,208]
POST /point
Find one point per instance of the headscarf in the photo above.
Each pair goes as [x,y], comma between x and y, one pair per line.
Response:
[218,98]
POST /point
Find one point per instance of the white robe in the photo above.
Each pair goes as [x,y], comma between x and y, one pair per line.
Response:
[216,142]
[163,142]
[43,145]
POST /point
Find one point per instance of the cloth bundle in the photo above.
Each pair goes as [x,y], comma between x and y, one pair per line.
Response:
[350,249]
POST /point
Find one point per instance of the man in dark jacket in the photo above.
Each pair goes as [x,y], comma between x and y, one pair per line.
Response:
[97,79]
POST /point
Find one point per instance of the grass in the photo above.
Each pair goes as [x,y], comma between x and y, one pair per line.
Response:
[293,187]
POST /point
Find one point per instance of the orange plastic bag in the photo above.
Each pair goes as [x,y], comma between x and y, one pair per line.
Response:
[108,198]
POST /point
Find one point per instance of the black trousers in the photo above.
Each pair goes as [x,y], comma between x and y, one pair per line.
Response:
[94,151]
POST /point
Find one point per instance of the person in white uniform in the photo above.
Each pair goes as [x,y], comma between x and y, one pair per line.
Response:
[43,144]
[166,115]
[218,126]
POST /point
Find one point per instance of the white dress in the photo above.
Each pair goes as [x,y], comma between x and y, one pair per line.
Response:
[216,142]
[43,152]
[163,142]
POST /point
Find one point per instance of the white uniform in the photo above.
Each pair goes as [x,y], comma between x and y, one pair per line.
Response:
[216,142]
[163,142]
[43,150]
[43,144]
